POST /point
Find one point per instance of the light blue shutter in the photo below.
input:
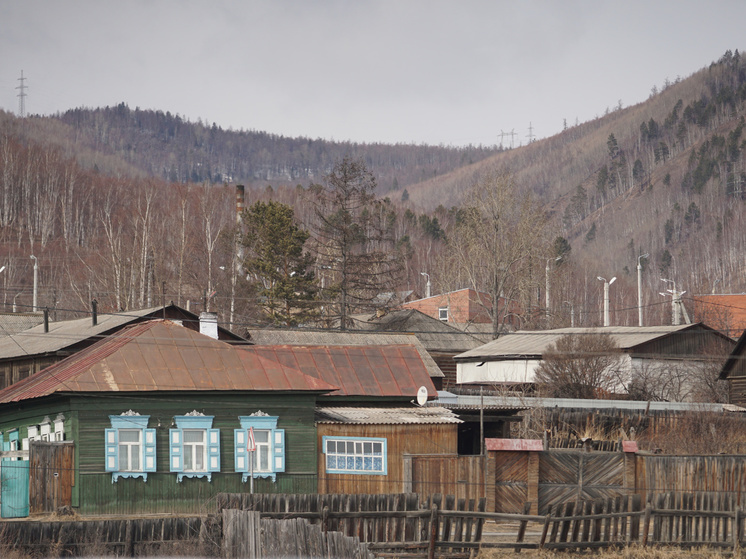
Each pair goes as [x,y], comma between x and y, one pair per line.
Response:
[213,450]
[241,457]
[111,445]
[279,449]
[148,450]
[176,450]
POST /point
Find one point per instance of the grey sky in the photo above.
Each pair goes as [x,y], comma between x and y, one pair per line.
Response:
[371,71]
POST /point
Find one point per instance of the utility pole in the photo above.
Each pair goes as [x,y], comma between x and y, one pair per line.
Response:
[607,321]
[22,101]
[530,132]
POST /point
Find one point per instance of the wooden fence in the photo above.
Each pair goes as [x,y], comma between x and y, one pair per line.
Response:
[389,524]
[248,536]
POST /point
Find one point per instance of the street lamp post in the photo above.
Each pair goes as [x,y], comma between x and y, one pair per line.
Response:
[36,280]
[639,288]
[607,321]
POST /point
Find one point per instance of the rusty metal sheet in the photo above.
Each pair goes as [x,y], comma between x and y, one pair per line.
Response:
[531,445]
[182,360]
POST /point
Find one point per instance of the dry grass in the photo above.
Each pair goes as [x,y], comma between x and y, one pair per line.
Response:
[632,552]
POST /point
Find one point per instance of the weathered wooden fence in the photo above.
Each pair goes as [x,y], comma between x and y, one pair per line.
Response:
[466,477]
[398,523]
[248,536]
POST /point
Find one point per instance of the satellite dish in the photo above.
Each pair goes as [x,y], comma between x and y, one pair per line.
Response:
[421,396]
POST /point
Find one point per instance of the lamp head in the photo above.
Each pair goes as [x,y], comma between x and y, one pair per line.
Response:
[599,278]
[612,280]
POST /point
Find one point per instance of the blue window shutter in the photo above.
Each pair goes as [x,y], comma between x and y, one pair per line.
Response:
[279,450]
[111,444]
[241,457]
[148,447]
[176,450]
[213,450]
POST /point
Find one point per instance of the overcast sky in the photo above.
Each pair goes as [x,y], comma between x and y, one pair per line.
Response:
[450,72]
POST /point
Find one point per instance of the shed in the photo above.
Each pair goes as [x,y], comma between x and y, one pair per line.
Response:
[362,449]
[734,371]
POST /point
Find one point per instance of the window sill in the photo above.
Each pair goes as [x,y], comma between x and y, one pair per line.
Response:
[116,475]
[181,476]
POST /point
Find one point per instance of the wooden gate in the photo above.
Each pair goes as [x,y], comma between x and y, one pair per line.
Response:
[14,483]
[546,479]
[51,475]
[462,476]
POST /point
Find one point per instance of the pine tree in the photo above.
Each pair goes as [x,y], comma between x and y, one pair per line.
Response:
[276,262]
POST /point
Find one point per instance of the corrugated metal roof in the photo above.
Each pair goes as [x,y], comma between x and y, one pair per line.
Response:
[386,416]
[534,343]
[160,355]
[471,402]
[370,371]
[66,333]
[302,337]
[513,402]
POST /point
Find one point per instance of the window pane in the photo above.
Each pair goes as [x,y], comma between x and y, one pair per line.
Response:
[367,448]
[194,436]
[129,436]
[261,436]
[331,446]
[350,447]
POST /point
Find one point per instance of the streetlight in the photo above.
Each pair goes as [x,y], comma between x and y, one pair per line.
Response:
[546,294]
[639,288]
[36,280]
[607,322]
[427,285]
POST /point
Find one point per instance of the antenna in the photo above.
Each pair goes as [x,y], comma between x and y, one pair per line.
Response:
[22,97]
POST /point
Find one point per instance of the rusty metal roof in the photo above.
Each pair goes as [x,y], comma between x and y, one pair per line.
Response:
[369,371]
[386,416]
[308,337]
[160,355]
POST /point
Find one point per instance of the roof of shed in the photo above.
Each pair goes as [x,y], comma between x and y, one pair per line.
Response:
[369,371]
[386,416]
[66,333]
[308,338]
[530,343]
[159,355]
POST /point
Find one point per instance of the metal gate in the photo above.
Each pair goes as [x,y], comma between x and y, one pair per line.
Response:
[14,494]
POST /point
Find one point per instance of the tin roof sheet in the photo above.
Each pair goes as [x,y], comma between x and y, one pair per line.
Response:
[304,337]
[66,333]
[160,355]
[534,343]
[386,416]
[369,371]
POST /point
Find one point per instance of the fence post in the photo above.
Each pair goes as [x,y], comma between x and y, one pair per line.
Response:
[736,529]
[544,531]
[433,532]
[646,524]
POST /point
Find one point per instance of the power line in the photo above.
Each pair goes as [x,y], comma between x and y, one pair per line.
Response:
[22,96]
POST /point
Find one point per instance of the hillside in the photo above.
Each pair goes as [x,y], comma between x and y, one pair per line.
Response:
[670,183]
[117,201]
[165,146]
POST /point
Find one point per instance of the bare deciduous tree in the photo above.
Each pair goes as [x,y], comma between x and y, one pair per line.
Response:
[581,366]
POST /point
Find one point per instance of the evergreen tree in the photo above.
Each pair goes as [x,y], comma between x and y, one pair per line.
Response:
[352,243]
[276,262]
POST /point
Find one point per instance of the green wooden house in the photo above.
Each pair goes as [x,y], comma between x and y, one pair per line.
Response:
[163,418]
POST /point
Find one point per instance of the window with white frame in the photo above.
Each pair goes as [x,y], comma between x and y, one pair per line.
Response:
[443,314]
[130,446]
[194,446]
[355,455]
[259,446]
[59,427]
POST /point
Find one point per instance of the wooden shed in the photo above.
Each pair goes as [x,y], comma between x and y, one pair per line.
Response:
[362,450]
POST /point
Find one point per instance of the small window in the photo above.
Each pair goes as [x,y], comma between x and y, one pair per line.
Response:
[443,314]
[259,446]
[129,446]
[194,447]
[348,455]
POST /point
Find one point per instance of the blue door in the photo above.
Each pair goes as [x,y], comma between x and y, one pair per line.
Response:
[14,496]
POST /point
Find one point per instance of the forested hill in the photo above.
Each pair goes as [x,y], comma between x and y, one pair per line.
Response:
[166,146]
